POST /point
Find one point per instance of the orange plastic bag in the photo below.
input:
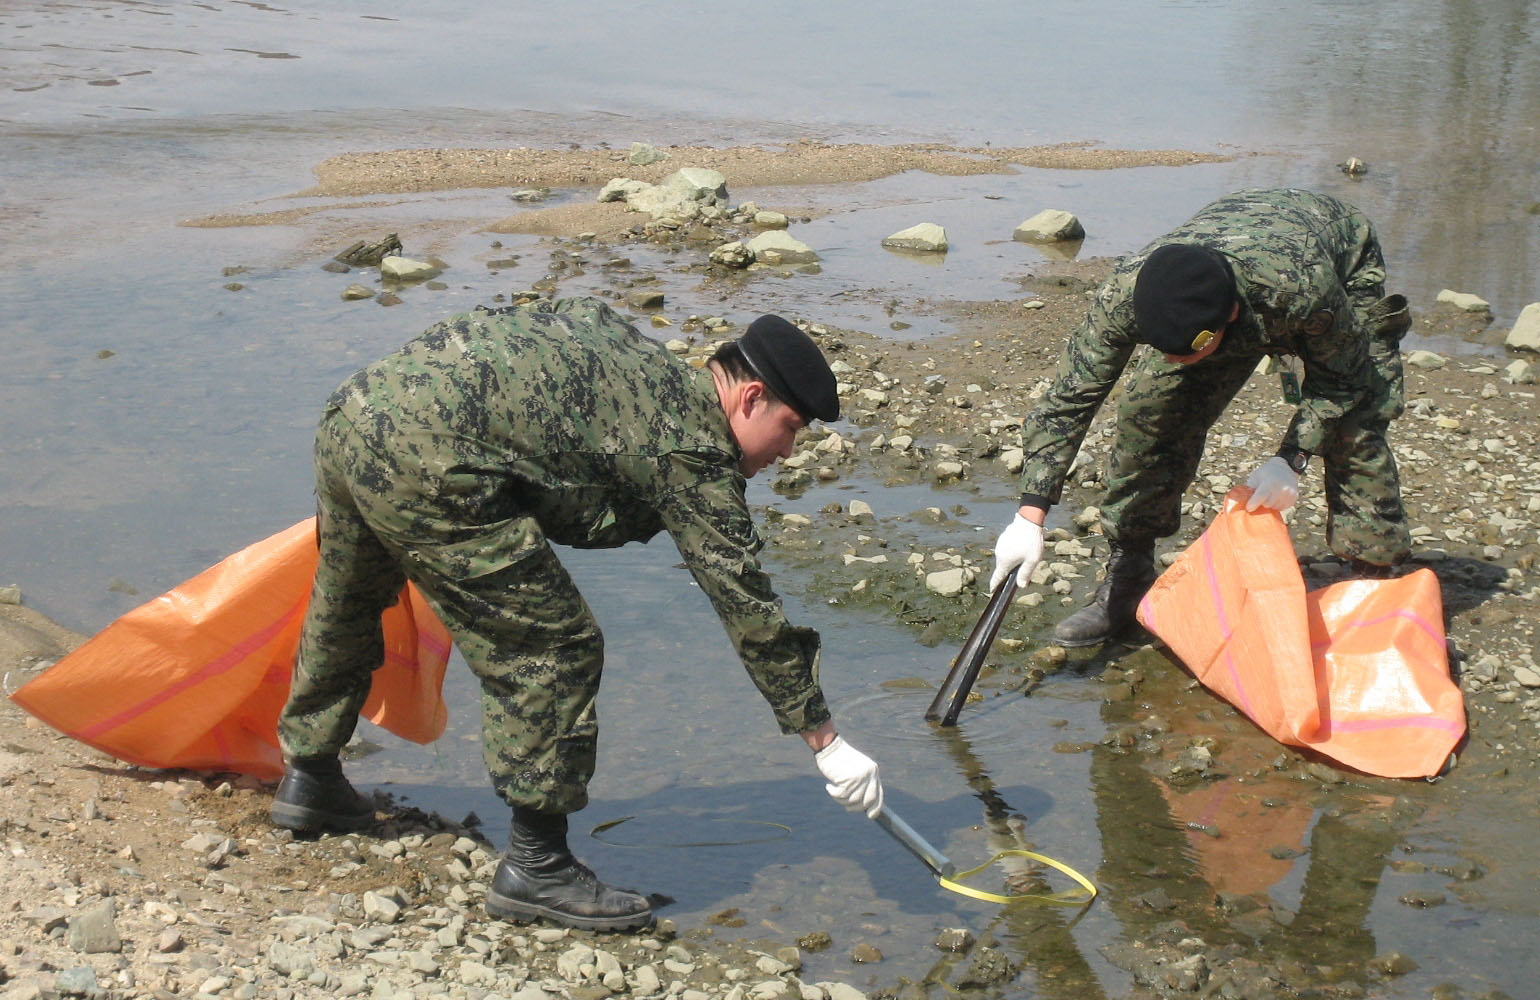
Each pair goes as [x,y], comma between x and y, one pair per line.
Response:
[1357,670]
[196,677]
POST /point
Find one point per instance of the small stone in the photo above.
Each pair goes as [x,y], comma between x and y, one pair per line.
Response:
[382,908]
[1393,963]
[841,991]
[946,582]
[986,967]
[95,930]
[646,979]
[955,939]
[80,981]
[169,940]
[865,953]
[734,255]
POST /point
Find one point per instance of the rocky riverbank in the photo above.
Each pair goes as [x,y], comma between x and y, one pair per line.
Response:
[122,882]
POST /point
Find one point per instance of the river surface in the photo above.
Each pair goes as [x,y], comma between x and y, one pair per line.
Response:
[153,421]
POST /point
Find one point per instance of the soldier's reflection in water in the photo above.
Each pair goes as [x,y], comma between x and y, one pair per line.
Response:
[1166,875]
[1215,854]
[1038,933]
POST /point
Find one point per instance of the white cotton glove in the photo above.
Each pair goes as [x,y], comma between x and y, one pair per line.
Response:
[1274,485]
[852,777]
[1019,545]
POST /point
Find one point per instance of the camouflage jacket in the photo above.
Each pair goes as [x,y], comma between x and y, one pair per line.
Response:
[602,436]
[1302,262]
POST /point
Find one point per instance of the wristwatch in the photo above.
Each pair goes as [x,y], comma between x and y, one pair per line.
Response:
[1296,458]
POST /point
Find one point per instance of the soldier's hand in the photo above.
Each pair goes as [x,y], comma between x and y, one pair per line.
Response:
[1019,548]
[852,777]
[1274,485]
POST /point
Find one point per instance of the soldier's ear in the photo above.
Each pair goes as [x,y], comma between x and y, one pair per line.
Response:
[750,393]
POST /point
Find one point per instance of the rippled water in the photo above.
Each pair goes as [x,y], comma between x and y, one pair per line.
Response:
[152,421]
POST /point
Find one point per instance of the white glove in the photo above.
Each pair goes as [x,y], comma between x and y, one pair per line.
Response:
[852,777]
[1273,485]
[1019,545]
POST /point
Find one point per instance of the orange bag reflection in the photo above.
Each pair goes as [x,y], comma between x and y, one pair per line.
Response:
[1357,670]
[196,677]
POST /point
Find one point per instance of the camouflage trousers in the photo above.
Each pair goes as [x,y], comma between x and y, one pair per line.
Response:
[1168,409]
[513,611]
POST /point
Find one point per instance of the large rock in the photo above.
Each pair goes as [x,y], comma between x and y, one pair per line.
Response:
[927,237]
[1464,300]
[621,188]
[778,247]
[698,184]
[1525,335]
[642,154]
[1049,226]
[663,203]
[407,269]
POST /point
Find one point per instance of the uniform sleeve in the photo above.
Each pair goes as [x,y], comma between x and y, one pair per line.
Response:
[1334,350]
[705,511]
[1093,359]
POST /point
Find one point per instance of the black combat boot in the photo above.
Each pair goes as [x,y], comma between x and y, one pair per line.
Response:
[314,796]
[1130,571]
[539,878]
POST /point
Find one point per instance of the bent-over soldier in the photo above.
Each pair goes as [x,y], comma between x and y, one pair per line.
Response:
[1285,273]
[455,462]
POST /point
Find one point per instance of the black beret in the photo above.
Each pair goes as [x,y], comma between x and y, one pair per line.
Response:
[1181,291]
[792,366]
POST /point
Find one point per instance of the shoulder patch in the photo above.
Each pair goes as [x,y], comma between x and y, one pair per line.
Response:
[1320,322]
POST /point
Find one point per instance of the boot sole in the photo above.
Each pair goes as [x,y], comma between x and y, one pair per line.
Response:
[1130,632]
[304,820]
[1078,643]
[501,906]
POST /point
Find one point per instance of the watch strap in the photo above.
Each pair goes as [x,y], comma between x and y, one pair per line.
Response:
[1296,457]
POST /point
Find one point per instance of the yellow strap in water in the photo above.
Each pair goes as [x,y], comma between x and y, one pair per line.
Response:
[1070,897]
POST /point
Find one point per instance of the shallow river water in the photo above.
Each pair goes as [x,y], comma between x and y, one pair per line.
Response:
[152,421]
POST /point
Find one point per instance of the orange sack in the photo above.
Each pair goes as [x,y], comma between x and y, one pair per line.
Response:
[196,677]
[1357,670]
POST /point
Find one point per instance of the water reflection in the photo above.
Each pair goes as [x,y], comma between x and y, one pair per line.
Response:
[1036,935]
[1239,856]
[1443,101]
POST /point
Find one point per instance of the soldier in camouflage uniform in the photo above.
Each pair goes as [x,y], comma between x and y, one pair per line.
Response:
[1286,274]
[455,462]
